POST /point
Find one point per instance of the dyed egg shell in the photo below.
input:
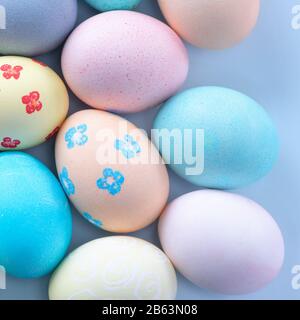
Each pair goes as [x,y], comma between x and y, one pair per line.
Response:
[103,163]
[35,217]
[114,268]
[224,242]
[107,5]
[34,27]
[33,103]
[211,24]
[232,140]
[124,61]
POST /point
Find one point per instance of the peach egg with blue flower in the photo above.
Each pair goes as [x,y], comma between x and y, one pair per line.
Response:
[111,171]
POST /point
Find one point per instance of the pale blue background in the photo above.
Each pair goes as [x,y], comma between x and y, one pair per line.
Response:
[267,67]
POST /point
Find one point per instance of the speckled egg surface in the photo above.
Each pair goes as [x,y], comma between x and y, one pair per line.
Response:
[224,242]
[115,268]
[33,102]
[35,27]
[211,24]
[104,164]
[107,5]
[124,61]
[232,142]
[35,217]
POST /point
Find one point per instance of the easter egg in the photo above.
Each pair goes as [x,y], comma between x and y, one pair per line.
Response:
[33,103]
[35,217]
[224,242]
[114,268]
[111,171]
[211,24]
[124,61]
[222,138]
[107,5]
[35,27]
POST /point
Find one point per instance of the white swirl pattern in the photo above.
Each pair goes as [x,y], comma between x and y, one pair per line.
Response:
[115,268]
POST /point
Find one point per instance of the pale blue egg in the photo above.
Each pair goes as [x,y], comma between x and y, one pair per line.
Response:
[108,5]
[30,28]
[35,217]
[224,139]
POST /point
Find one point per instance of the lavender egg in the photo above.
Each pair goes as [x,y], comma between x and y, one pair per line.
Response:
[34,27]
[124,61]
[221,241]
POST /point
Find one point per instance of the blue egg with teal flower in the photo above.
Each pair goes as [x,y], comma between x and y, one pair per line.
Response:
[108,5]
[35,217]
[216,137]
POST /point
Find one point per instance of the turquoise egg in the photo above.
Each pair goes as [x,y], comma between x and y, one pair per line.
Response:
[108,5]
[216,137]
[35,217]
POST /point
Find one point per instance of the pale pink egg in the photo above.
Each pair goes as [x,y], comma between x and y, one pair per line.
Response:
[222,241]
[124,61]
[211,24]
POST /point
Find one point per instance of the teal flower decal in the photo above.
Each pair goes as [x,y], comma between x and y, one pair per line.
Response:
[92,220]
[76,136]
[129,146]
[111,181]
[67,183]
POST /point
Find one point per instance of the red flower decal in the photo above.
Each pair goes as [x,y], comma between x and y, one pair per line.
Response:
[9,143]
[32,102]
[52,134]
[10,71]
[39,62]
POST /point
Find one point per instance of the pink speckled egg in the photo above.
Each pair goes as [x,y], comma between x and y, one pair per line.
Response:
[124,61]
[222,241]
[111,171]
[211,24]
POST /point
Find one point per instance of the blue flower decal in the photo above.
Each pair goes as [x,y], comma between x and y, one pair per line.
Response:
[67,183]
[92,220]
[76,136]
[129,146]
[112,181]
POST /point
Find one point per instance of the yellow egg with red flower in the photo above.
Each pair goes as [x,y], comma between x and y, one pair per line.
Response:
[33,103]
